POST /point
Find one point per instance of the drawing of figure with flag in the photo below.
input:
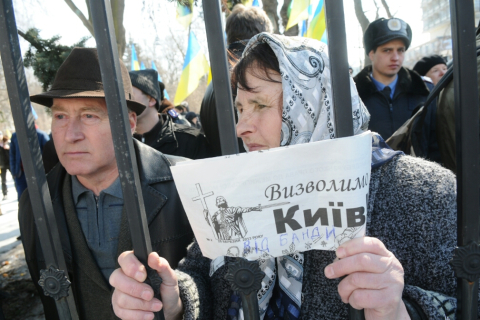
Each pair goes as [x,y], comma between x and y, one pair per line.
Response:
[228,221]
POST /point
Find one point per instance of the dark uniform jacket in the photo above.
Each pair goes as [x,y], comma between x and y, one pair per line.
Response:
[175,139]
[170,232]
[387,117]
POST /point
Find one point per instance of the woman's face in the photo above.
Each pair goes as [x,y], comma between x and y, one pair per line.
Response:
[437,72]
[260,112]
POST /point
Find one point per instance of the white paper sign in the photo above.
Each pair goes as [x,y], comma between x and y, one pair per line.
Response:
[278,201]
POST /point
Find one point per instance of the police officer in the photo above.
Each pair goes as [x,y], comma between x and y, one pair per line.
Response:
[389,91]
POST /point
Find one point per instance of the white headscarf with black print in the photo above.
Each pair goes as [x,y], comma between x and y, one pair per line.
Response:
[307,106]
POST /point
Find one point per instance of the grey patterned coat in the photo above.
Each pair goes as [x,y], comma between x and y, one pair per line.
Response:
[411,209]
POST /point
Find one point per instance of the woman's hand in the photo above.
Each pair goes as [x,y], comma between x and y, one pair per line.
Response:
[373,278]
[133,299]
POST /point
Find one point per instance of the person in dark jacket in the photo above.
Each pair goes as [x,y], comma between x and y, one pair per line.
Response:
[158,130]
[242,24]
[16,167]
[4,162]
[86,191]
[390,92]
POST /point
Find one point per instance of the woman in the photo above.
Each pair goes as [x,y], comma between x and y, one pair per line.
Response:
[283,98]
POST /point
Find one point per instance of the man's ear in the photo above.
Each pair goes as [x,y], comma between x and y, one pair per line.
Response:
[132,118]
[152,102]
[371,54]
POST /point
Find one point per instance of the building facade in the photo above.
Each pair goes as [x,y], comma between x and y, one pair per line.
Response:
[436,23]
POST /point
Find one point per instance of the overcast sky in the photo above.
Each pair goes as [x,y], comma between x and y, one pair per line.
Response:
[54,17]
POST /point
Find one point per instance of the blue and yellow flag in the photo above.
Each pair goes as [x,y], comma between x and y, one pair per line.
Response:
[317,26]
[134,65]
[298,13]
[142,66]
[194,68]
[185,14]
[165,94]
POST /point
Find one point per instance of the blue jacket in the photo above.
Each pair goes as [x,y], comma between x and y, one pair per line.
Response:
[15,158]
[385,119]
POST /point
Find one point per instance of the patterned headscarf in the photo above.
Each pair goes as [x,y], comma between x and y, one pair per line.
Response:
[307,106]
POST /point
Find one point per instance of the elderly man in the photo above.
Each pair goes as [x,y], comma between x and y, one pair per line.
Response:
[390,91]
[86,191]
[158,130]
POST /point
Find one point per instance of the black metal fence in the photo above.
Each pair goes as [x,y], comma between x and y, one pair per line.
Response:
[467,135]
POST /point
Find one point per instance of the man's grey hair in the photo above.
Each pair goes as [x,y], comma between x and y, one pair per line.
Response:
[243,23]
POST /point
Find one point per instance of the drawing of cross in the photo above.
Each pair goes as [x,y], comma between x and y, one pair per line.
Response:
[202,197]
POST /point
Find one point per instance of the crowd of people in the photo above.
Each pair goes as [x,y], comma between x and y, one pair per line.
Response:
[399,270]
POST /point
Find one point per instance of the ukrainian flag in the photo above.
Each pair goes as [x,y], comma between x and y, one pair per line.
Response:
[317,26]
[298,13]
[134,63]
[194,68]
[165,94]
[185,14]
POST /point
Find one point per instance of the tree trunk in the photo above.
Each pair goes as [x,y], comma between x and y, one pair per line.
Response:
[118,7]
[387,9]
[363,20]
[293,31]
[270,7]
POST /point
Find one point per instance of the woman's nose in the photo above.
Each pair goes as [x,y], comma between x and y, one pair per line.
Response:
[245,126]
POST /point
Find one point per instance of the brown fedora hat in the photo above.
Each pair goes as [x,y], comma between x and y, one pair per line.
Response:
[79,76]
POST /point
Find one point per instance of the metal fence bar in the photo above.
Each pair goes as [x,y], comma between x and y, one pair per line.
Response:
[122,137]
[33,165]
[342,101]
[338,56]
[220,76]
[467,149]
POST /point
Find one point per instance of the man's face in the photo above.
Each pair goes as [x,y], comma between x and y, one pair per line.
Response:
[388,59]
[82,137]
[146,100]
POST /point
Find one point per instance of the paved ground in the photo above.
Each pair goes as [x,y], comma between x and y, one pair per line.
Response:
[9,219]
[19,299]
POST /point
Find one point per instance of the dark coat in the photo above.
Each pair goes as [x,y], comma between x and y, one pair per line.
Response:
[15,159]
[175,139]
[385,119]
[208,109]
[411,209]
[5,157]
[170,232]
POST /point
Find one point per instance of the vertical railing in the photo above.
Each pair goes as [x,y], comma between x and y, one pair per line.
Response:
[220,76]
[342,101]
[122,137]
[466,261]
[55,277]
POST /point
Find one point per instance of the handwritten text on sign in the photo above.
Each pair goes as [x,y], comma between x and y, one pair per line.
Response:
[280,201]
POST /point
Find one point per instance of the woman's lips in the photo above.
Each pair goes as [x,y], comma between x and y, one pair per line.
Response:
[255,147]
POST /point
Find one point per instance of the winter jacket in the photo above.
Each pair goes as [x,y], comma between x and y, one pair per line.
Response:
[386,118]
[175,139]
[411,209]
[170,233]
[446,120]
[4,157]
[15,159]
[208,109]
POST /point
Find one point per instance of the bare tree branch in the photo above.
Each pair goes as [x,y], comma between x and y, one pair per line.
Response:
[378,9]
[363,20]
[174,38]
[80,15]
[385,5]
